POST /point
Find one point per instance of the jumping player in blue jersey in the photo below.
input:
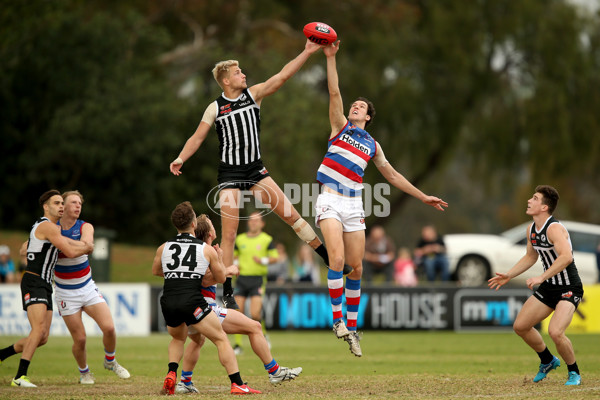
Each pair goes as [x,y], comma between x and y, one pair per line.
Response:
[339,208]
[559,291]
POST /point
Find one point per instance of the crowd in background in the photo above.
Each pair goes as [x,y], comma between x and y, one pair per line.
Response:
[9,273]
[427,260]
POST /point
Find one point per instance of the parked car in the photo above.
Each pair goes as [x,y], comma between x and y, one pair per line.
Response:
[474,258]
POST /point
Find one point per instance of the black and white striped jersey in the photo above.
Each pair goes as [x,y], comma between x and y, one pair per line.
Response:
[545,249]
[183,264]
[238,127]
[41,254]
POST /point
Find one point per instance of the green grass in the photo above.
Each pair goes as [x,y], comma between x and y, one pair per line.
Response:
[416,365]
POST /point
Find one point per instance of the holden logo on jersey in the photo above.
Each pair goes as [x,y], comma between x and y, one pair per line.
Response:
[543,238]
[243,97]
[576,299]
[355,144]
[198,313]
[567,295]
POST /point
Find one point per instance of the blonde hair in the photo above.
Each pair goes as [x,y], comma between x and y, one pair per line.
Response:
[72,192]
[221,70]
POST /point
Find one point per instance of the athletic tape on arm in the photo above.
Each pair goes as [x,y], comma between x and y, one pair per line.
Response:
[304,231]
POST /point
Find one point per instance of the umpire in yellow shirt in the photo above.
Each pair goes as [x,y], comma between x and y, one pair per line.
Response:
[254,251]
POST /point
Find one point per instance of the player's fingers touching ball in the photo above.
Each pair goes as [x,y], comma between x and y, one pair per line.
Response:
[320,33]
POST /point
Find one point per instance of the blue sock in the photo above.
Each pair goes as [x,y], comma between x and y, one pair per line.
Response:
[272,367]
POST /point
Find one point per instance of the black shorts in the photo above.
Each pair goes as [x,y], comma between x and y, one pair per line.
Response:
[250,285]
[179,309]
[550,295]
[241,177]
[35,290]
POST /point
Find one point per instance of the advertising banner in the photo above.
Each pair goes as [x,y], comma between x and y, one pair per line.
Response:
[129,304]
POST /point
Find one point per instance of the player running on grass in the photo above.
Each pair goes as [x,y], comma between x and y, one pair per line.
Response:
[560,289]
[232,322]
[339,207]
[183,261]
[236,115]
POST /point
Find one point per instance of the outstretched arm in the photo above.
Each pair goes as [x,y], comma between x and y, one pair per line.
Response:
[193,143]
[521,266]
[337,119]
[399,181]
[267,88]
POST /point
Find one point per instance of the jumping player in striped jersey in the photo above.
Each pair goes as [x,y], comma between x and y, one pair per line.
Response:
[560,289]
[183,262]
[42,247]
[236,115]
[76,292]
[339,207]
[232,321]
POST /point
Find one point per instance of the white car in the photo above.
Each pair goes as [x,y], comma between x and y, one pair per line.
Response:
[474,258]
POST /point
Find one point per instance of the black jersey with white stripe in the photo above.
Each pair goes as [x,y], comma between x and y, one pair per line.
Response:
[183,264]
[238,126]
[41,254]
[541,244]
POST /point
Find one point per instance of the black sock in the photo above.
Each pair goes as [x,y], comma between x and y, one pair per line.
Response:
[23,367]
[573,367]
[545,356]
[7,352]
[173,367]
[236,378]
[322,251]
[227,287]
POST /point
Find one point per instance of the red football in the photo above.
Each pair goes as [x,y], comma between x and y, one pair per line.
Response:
[319,33]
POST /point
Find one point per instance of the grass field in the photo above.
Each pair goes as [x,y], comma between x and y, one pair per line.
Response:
[418,365]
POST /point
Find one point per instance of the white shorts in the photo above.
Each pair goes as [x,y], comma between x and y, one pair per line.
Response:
[217,309]
[348,210]
[69,302]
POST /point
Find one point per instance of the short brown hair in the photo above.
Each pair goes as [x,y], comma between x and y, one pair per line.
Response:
[221,70]
[72,193]
[183,215]
[48,195]
[203,227]
[549,197]
[370,109]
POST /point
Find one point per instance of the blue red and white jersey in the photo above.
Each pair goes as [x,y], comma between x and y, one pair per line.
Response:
[348,154]
[72,273]
[210,294]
